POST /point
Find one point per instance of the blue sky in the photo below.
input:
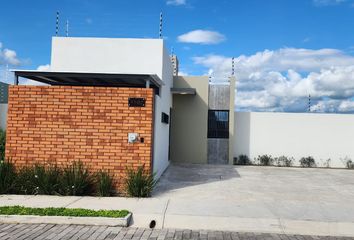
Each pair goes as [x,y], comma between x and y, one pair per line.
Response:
[284,49]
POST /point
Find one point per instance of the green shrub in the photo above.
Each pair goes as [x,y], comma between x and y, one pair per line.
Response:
[46,179]
[76,180]
[25,181]
[139,183]
[242,160]
[39,179]
[349,164]
[307,162]
[284,161]
[104,184]
[2,144]
[265,160]
[7,177]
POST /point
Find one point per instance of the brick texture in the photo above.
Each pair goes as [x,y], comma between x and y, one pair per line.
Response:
[67,123]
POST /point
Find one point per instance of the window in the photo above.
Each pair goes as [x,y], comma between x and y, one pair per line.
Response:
[218,124]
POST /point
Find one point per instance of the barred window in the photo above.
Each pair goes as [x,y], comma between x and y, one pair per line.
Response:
[218,124]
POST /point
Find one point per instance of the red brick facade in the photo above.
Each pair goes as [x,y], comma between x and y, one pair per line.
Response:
[66,123]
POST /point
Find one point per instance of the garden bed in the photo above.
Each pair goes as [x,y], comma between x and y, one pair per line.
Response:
[19,214]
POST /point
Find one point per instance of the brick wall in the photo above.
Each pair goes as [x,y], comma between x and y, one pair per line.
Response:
[66,123]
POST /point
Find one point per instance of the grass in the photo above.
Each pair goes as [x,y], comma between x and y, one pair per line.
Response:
[69,212]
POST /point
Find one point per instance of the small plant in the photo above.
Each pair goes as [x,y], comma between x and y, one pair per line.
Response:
[308,162]
[7,177]
[349,164]
[242,160]
[327,163]
[139,183]
[76,180]
[265,160]
[2,144]
[104,184]
[284,161]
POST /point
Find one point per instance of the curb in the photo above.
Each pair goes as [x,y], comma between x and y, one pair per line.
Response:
[97,221]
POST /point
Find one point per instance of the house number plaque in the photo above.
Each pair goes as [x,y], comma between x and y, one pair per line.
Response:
[136,102]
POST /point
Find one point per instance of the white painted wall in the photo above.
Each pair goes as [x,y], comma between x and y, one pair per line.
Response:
[3,115]
[126,56]
[163,103]
[297,135]
[107,55]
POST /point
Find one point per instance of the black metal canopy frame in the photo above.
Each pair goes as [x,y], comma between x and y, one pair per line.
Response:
[91,79]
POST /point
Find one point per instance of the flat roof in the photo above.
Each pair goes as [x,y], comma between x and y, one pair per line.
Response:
[90,79]
[183,91]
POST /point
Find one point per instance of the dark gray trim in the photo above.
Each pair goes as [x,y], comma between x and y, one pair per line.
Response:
[91,79]
[184,91]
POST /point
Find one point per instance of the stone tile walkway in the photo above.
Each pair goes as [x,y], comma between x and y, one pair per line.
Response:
[55,232]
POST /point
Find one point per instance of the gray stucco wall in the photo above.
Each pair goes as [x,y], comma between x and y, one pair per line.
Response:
[4,89]
[3,116]
[221,98]
[189,121]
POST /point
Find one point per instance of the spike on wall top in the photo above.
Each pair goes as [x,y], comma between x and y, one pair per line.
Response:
[57,25]
[160,30]
[233,67]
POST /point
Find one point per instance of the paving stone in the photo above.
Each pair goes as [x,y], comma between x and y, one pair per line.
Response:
[56,232]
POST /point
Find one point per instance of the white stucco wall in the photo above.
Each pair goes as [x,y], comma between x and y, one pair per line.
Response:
[107,55]
[3,115]
[297,135]
[163,103]
[126,56]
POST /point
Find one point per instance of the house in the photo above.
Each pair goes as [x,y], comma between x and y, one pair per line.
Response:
[118,103]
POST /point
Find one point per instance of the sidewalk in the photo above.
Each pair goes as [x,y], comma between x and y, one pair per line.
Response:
[177,214]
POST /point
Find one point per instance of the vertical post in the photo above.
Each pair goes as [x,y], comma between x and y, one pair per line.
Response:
[147,84]
[57,25]
[309,109]
[67,28]
[233,67]
[160,30]
[16,80]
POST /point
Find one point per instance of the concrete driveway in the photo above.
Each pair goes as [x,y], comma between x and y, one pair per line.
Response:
[227,198]
[253,198]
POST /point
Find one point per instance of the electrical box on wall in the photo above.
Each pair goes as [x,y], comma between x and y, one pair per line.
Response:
[133,137]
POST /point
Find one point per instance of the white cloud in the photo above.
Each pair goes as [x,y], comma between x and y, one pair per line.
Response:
[202,37]
[281,80]
[8,57]
[176,2]
[182,73]
[43,68]
[328,2]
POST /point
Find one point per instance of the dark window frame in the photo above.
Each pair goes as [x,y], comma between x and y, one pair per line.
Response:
[218,129]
